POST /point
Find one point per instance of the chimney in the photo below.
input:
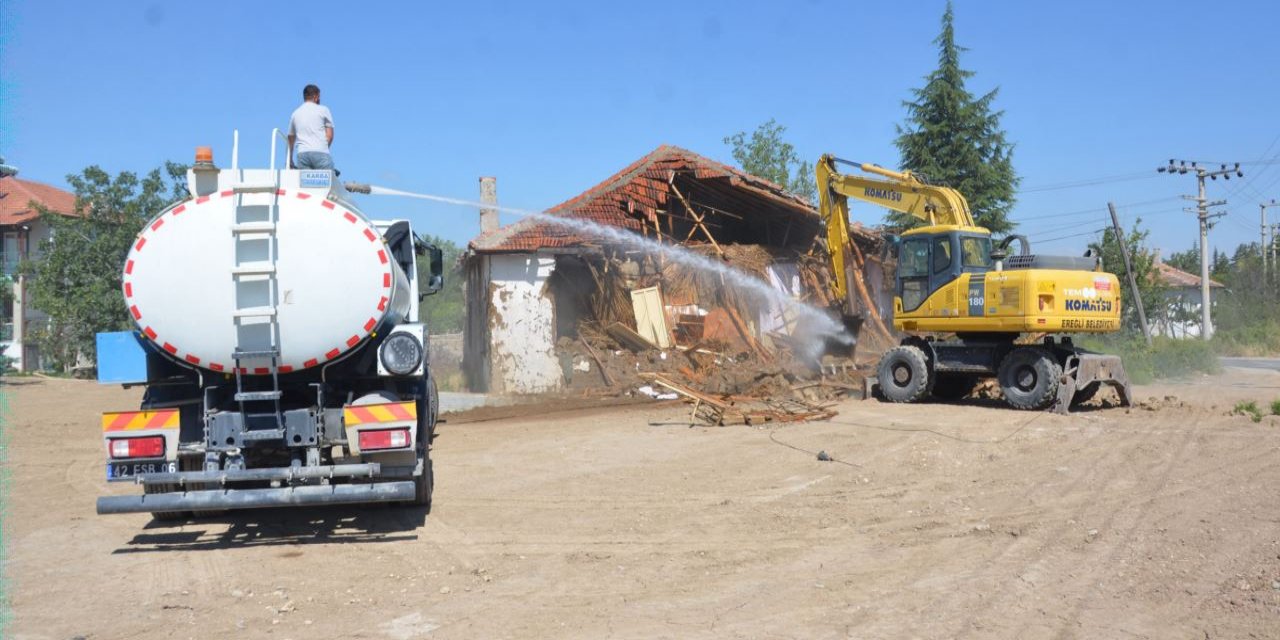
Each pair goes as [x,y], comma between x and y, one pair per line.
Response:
[1155,259]
[488,196]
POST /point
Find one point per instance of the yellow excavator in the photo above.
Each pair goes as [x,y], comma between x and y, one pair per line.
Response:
[964,301]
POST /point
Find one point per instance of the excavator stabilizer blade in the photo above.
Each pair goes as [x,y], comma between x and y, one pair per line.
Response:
[1085,373]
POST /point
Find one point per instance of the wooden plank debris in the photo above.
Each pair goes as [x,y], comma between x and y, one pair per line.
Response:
[628,338]
[725,410]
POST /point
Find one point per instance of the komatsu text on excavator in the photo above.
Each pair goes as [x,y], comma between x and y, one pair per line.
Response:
[974,300]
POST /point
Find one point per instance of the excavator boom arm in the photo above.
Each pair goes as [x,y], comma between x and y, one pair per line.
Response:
[901,191]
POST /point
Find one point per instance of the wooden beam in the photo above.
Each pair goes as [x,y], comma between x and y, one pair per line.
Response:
[697,220]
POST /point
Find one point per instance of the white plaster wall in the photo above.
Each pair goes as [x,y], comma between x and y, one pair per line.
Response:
[1183,317]
[522,325]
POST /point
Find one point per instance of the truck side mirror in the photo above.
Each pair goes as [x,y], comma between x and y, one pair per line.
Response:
[435,258]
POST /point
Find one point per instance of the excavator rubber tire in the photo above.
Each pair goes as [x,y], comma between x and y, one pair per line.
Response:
[1029,378]
[955,386]
[903,374]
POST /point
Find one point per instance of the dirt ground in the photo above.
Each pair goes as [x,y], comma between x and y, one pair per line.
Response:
[936,521]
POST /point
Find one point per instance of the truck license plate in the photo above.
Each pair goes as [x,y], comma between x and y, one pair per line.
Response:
[119,470]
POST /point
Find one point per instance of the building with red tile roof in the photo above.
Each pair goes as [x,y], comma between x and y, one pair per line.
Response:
[22,231]
[17,197]
[530,284]
[1180,316]
[1176,278]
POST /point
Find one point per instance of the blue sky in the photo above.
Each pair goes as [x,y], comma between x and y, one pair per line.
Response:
[552,97]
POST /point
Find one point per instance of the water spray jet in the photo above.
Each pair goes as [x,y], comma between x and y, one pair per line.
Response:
[820,322]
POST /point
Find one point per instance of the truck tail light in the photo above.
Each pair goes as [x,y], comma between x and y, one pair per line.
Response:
[384,439]
[145,447]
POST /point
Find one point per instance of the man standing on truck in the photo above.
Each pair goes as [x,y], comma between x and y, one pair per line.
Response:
[311,130]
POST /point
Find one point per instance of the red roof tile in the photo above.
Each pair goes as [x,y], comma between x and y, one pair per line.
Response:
[633,193]
[1175,277]
[16,196]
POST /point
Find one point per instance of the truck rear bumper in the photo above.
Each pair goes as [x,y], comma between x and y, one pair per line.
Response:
[218,499]
[287,474]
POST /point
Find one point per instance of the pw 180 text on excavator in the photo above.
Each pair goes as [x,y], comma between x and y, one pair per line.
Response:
[964,302]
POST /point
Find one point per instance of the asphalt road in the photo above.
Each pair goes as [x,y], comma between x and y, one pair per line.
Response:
[1272,364]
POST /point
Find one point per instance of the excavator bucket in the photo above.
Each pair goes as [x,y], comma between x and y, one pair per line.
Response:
[1084,373]
[853,329]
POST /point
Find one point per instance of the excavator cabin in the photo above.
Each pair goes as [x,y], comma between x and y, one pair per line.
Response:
[930,258]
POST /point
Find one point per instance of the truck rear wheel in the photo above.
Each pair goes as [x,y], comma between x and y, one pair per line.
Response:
[424,483]
[903,374]
[422,486]
[164,515]
[1029,378]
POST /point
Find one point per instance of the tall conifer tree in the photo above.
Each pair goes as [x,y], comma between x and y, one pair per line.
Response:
[954,139]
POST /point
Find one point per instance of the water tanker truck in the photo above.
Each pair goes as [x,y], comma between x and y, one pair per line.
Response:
[278,345]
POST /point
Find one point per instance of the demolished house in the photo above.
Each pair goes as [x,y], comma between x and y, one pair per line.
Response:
[555,308]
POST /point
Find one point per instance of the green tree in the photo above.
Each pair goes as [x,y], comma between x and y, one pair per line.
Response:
[766,155]
[954,139]
[1220,266]
[445,311]
[1188,260]
[1143,259]
[77,274]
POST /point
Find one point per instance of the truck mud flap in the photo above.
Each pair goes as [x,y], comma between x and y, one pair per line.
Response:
[1083,373]
[219,499]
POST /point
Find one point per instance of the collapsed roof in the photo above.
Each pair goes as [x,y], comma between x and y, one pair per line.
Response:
[674,194]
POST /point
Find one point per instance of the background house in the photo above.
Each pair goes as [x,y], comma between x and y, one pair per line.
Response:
[23,231]
[1181,317]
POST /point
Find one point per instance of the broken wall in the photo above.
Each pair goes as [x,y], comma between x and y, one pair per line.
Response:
[522,324]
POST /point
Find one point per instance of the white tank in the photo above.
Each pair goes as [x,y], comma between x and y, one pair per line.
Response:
[262,260]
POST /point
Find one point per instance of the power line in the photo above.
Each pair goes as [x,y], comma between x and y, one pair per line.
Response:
[1051,229]
[1089,182]
[1065,214]
[1074,235]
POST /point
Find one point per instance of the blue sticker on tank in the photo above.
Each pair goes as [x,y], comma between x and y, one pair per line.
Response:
[312,179]
[977,293]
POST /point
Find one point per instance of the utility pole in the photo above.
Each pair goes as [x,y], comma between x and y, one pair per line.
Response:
[1128,269]
[1271,246]
[1202,214]
[1262,248]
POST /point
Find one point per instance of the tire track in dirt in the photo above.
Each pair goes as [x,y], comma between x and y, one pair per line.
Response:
[1076,501]
[1123,508]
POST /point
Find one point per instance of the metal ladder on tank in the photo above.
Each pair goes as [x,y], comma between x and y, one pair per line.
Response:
[247,231]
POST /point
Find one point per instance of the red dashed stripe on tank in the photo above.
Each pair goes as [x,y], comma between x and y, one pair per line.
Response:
[367,231]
